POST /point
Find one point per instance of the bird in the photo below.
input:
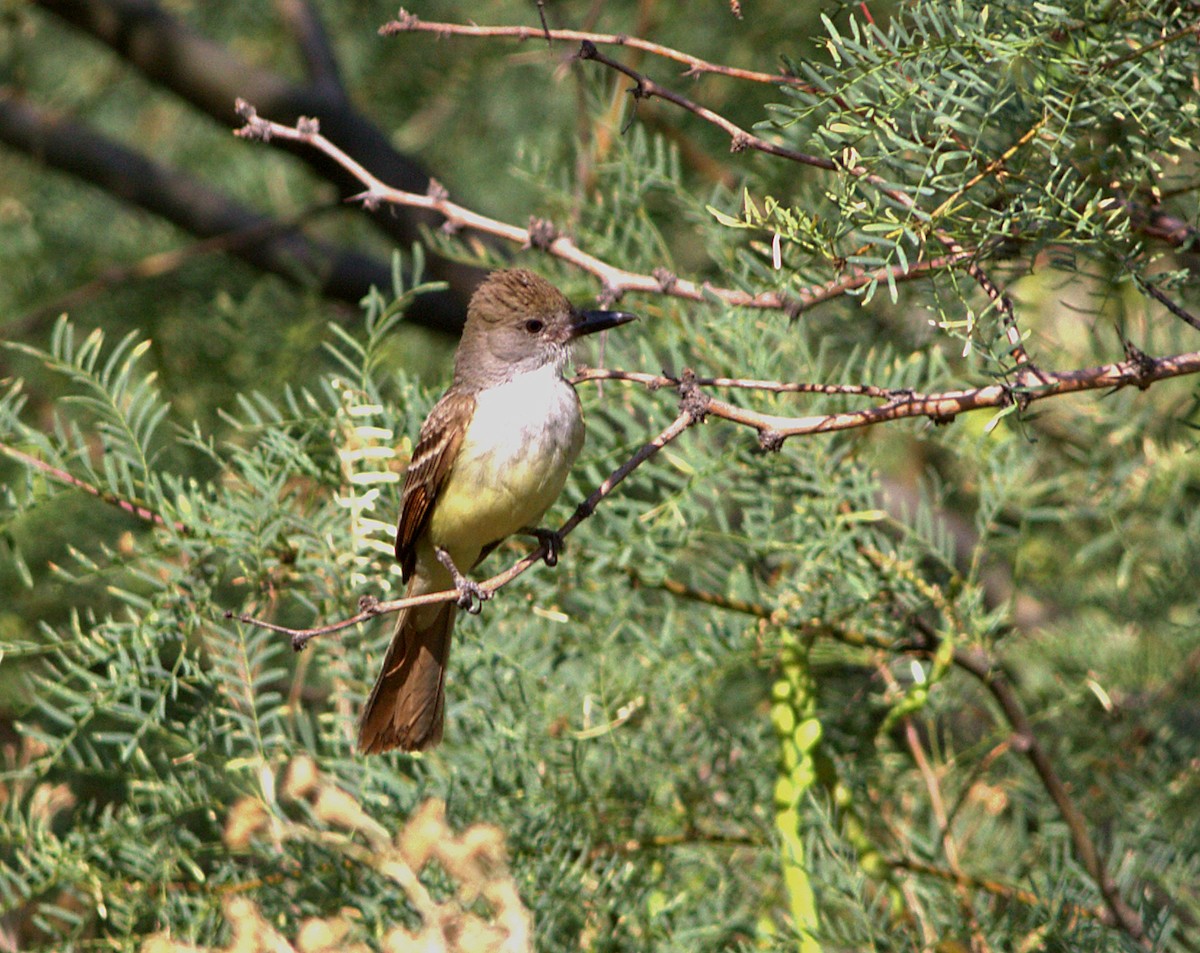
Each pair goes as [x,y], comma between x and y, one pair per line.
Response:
[490,459]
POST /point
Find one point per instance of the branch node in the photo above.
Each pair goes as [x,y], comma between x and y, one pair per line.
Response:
[436,191]
[369,199]
[666,280]
[770,441]
[308,126]
[368,603]
[609,295]
[587,50]
[256,127]
[667,379]
[740,142]
[542,233]
[404,21]
[692,401]
[1144,366]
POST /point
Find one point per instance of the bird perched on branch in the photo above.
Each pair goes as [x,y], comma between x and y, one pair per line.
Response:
[492,456]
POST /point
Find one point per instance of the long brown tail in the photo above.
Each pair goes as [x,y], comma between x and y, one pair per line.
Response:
[406,705]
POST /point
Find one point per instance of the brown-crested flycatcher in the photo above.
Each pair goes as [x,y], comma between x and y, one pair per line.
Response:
[493,454]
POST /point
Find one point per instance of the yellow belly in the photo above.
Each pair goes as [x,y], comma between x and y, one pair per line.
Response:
[512,464]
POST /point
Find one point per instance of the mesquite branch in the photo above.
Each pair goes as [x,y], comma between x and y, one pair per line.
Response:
[370,608]
[542,235]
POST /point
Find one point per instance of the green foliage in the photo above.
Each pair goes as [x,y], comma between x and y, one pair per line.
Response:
[732,717]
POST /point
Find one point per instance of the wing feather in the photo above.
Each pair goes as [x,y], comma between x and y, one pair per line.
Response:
[437,447]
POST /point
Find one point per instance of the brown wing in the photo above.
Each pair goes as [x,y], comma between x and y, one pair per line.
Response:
[437,446]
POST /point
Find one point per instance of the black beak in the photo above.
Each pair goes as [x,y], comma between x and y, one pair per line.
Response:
[589,322]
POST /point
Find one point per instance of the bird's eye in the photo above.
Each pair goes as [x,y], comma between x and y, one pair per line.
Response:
[533,325]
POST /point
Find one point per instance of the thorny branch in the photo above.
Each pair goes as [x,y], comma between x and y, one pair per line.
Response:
[1138,370]
[646,88]
[406,22]
[543,236]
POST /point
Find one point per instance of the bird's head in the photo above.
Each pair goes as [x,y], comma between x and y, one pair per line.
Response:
[518,322]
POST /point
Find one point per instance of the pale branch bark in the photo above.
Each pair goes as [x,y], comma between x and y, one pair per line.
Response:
[542,235]
[210,77]
[1138,370]
[370,608]
[183,200]
[741,140]
[1151,219]
[406,22]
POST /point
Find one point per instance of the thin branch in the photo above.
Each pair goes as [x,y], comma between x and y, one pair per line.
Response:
[406,22]
[646,88]
[210,76]
[740,139]
[1191,28]
[545,237]
[993,887]
[1139,370]
[1178,310]
[1008,317]
[180,198]
[62,476]
[371,608]
[937,805]
[1025,740]
[655,381]
[993,166]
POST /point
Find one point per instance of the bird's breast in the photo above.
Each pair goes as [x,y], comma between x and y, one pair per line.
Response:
[514,459]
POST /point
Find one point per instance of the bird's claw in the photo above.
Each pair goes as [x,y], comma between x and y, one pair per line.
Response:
[471,595]
[553,542]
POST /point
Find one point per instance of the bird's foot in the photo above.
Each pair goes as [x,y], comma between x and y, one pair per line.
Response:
[551,539]
[471,595]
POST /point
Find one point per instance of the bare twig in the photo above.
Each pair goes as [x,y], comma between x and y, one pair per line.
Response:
[408,23]
[1190,29]
[1139,370]
[646,88]
[655,381]
[1179,311]
[203,210]
[993,887]
[615,281]
[1008,317]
